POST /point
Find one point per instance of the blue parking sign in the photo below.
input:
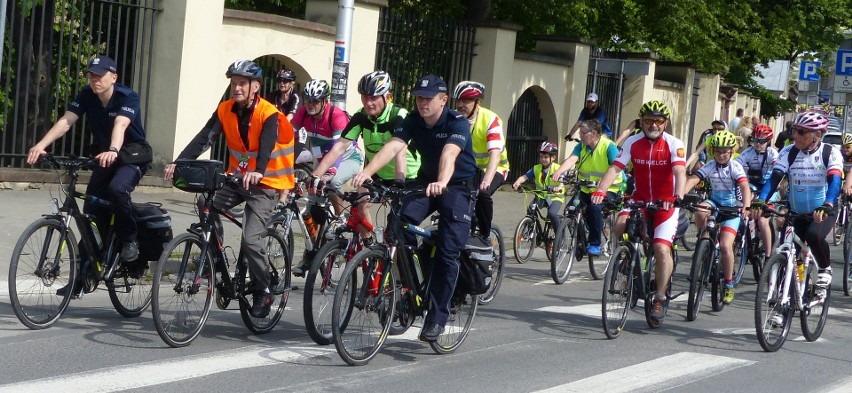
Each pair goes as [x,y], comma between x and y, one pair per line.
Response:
[808,71]
[844,63]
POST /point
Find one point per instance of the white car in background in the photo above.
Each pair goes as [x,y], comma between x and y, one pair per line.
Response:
[833,137]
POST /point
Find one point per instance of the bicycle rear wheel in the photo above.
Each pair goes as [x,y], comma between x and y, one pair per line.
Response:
[814,312]
[690,238]
[740,255]
[278,260]
[179,303]
[617,290]
[363,307]
[564,250]
[524,240]
[772,319]
[462,310]
[130,287]
[499,264]
[847,260]
[598,265]
[701,259]
[757,254]
[717,284]
[43,261]
[320,284]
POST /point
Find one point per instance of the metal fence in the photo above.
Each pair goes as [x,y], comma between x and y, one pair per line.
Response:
[606,86]
[410,46]
[48,45]
[524,133]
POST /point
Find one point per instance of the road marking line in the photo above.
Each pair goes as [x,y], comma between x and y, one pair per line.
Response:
[842,386]
[154,373]
[655,375]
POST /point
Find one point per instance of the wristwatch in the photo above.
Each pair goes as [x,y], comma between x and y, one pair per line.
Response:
[113,149]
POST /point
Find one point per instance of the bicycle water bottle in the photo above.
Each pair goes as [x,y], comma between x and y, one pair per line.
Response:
[800,269]
[98,201]
[312,227]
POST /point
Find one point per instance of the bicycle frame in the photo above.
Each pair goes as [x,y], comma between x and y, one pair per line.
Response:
[788,249]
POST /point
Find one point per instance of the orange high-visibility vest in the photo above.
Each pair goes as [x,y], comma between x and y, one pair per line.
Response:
[279,171]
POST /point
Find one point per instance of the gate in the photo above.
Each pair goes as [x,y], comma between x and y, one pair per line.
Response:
[524,133]
[48,45]
[606,87]
[410,46]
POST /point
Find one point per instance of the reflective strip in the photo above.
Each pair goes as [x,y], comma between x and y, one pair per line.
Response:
[289,150]
[280,172]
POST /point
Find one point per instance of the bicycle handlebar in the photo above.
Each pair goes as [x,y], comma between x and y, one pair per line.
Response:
[71,162]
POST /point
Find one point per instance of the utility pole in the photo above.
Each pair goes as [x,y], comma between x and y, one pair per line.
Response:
[342,47]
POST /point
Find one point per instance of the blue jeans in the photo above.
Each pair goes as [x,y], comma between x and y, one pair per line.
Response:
[594,216]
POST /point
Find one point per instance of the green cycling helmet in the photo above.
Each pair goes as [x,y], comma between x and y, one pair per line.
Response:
[723,138]
[655,107]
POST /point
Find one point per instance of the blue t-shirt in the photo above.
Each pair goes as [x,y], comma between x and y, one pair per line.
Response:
[124,102]
[452,127]
[611,153]
[600,115]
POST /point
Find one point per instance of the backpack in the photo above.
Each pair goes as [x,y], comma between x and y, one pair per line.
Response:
[826,154]
[154,226]
[476,265]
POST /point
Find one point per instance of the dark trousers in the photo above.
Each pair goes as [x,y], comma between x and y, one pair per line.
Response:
[454,207]
[485,204]
[814,234]
[594,216]
[114,184]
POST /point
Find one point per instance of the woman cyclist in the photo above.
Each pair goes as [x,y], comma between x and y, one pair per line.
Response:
[757,160]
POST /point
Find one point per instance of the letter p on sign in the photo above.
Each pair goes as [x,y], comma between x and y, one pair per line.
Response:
[844,63]
[808,71]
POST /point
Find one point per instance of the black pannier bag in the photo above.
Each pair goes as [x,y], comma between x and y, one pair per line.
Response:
[476,265]
[154,226]
[198,175]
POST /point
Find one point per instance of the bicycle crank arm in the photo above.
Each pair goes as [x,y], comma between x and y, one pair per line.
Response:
[675,296]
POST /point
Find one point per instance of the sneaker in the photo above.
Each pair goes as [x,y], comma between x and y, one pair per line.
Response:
[822,283]
[431,331]
[261,304]
[594,250]
[777,320]
[77,288]
[299,271]
[728,295]
[130,251]
[659,308]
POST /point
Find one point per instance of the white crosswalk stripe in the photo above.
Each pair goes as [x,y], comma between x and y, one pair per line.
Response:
[655,375]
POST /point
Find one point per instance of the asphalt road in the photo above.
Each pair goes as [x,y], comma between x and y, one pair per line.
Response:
[535,336]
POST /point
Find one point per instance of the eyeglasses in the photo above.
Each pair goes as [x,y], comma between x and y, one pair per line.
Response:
[585,130]
[658,122]
[725,152]
[803,131]
[312,102]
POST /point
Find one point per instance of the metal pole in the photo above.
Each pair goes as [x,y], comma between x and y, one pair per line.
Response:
[696,81]
[617,130]
[594,79]
[342,44]
[2,34]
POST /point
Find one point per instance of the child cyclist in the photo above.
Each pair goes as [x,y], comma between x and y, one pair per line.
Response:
[541,174]
[757,160]
[725,177]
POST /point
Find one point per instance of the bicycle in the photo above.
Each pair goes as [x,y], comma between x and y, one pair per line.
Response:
[621,292]
[326,269]
[690,236]
[47,253]
[787,285]
[843,217]
[365,304]
[572,239]
[706,264]
[531,233]
[194,268]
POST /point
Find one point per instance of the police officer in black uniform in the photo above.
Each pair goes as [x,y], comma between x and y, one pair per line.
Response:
[442,138]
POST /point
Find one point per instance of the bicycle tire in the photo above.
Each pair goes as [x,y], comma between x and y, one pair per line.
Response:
[328,266]
[462,311]
[32,290]
[813,316]
[130,287]
[757,254]
[525,235]
[499,266]
[564,250]
[651,291]
[617,292]
[690,237]
[717,284]
[701,259]
[740,256]
[847,260]
[598,265]
[174,299]
[286,233]
[767,304]
[549,238]
[365,303]
[278,260]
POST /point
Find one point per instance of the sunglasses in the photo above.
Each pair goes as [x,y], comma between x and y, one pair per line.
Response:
[658,122]
[763,140]
[803,131]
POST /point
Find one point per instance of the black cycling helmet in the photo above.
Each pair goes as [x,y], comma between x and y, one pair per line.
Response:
[246,68]
[376,83]
[287,75]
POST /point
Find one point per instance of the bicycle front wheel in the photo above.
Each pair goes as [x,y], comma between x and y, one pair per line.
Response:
[847,260]
[525,240]
[564,250]
[130,287]
[598,265]
[180,302]
[772,317]
[717,284]
[690,238]
[617,290]
[320,285]
[363,308]
[814,308]
[43,261]
[701,260]
[462,310]
[278,261]
[740,255]
[499,264]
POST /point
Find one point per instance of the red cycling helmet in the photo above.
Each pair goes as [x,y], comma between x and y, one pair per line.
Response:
[762,131]
[549,148]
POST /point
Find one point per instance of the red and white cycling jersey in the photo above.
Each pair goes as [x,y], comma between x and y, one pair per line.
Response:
[653,163]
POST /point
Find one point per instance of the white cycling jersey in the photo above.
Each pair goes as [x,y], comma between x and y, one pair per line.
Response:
[808,176]
[758,166]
